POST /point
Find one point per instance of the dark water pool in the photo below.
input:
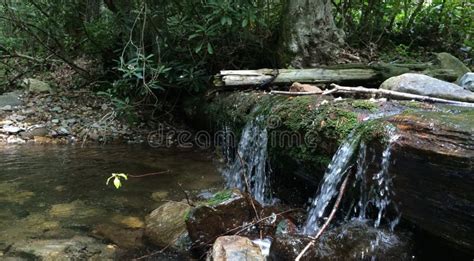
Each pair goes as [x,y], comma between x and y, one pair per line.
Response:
[60,191]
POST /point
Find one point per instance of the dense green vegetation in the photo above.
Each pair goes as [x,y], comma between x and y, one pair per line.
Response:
[155,51]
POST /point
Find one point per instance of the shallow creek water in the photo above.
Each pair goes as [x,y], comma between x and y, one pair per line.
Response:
[60,192]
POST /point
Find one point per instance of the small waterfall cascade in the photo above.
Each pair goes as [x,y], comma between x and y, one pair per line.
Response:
[333,176]
[249,165]
[353,150]
[380,194]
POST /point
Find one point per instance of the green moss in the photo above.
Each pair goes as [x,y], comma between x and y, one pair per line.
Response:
[187,215]
[219,197]
[412,104]
[365,105]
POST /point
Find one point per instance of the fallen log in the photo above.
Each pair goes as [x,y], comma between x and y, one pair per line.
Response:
[394,95]
[342,74]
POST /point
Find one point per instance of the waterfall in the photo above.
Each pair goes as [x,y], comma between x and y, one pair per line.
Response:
[333,176]
[250,161]
[379,195]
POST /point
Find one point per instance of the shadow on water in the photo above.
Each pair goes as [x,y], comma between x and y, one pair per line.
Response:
[60,191]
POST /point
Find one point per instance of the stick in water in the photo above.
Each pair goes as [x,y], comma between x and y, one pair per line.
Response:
[326,224]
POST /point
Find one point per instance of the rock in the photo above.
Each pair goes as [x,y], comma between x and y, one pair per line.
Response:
[428,86]
[56,109]
[11,129]
[447,61]
[15,140]
[227,210]
[122,237]
[299,87]
[10,99]
[36,86]
[467,81]
[166,224]
[55,121]
[355,240]
[62,131]
[6,108]
[74,210]
[6,122]
[35,132]
[434,176]
[159,195]
[233,248]
[76,248]
[128,221]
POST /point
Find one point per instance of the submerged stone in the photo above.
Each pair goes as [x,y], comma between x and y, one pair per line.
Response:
[166,224]
[123,237]
[76,248]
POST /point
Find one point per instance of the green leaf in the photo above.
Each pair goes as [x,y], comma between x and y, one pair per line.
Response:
[123,175]
[245,22]
[198,48]
[209,48]
[107,183]
[117,183]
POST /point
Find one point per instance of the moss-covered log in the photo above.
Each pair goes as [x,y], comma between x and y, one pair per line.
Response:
[432,160]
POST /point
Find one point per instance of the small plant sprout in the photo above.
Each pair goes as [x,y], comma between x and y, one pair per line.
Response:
[117,181]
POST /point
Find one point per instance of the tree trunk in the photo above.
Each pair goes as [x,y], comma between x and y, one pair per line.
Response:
[309,34]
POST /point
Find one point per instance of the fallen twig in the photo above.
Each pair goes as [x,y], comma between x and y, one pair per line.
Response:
[296,93]
[394,94]
[186,195]
[326,224]
[150,174]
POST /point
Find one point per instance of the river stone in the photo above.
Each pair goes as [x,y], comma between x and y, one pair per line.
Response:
[166,224]
[123,237]
[15,140]
[11,129]
[35,132]
[128,221]
[229,248]
[10,99]
[76,248]
[448,61]
[467,81]
[425,85]
[227,210]
[36,86]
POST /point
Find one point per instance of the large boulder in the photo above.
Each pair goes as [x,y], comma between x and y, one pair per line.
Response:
[234,248]
[448,61]
[425,85]
[221,215]
[36,86]
[467,81]
[165,225]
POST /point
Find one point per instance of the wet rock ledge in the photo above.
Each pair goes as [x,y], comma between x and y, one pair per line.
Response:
[432,162]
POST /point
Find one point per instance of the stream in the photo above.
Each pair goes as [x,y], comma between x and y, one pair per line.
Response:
[56,192]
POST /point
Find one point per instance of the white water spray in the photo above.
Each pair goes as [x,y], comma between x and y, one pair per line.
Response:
[251,161]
